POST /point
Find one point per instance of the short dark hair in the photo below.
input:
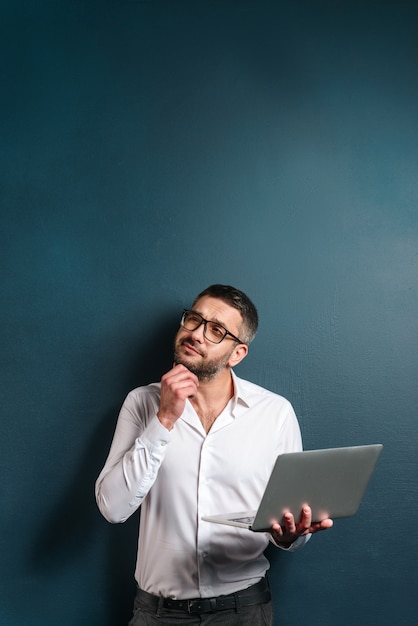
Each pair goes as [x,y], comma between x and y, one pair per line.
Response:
[240,301]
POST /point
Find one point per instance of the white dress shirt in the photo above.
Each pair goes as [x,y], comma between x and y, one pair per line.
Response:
[180,475]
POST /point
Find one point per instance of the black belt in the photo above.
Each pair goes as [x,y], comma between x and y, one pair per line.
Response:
[256,594]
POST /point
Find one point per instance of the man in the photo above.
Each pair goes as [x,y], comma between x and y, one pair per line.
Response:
[201,442]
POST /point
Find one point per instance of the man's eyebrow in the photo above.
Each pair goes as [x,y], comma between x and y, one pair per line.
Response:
[215,320]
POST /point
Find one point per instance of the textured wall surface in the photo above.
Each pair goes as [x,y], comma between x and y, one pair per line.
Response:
[149,149]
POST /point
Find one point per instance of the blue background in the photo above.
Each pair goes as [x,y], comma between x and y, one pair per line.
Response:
[149,149]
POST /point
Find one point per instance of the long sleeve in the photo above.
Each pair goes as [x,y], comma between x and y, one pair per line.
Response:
[137,451]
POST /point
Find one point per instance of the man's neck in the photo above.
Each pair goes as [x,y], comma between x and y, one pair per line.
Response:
[212,397]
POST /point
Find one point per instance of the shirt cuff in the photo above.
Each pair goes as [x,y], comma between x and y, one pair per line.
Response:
[155,436]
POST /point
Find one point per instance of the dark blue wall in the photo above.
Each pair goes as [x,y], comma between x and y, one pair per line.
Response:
[149,149]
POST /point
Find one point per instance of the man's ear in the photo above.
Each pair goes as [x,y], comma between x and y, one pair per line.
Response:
[238,354]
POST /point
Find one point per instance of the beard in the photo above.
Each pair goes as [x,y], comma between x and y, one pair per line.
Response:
[205,371]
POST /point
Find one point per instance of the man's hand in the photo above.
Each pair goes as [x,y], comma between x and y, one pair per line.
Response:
[289,531]
[176,386]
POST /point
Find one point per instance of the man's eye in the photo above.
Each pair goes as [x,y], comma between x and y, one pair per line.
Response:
[194,319]
[217,330]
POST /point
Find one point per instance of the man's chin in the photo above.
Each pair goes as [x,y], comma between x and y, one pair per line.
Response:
[203,372]
[180,359]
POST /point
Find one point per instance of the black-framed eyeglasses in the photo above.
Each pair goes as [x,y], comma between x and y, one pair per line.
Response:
[213,331]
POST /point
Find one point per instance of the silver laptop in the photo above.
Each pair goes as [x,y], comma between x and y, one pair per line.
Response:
[332,482]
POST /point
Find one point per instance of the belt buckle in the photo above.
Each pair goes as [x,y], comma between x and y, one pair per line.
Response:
[202,605]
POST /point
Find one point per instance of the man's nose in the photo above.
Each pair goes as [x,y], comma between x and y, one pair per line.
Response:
[198,334]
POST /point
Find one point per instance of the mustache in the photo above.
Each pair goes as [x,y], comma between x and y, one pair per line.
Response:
[192,344]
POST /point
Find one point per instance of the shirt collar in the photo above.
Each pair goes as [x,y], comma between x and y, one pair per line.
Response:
[241,397]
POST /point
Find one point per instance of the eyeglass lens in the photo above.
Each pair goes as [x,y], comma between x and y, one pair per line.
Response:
[212,331]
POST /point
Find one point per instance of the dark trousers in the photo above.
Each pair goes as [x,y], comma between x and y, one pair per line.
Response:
[148,614]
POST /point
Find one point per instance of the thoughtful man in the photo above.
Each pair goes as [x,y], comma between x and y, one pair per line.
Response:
[202,442]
